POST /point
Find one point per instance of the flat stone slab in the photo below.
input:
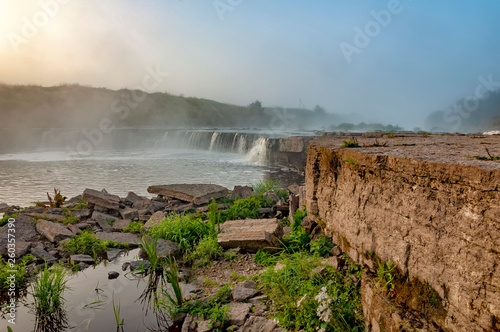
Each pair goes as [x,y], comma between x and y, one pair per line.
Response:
[52,231]
[194,193]
[251,234]
[120,225]
[131,239]
[82,258]
[102,199]
[154,220]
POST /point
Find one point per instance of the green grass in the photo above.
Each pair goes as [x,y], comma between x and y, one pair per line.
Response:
[81,204]
[134,227]
[88,244]
[247,207]
[351,143]
[262,186]
[21,275]
[149,246]
[266,259]
[6,218]
[47,291]
[183,229]
[298,240]
[321,246]
[303,300]
[205,251]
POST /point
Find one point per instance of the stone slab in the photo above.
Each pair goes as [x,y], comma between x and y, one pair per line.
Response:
[102,199]
[194,193]
[52,231]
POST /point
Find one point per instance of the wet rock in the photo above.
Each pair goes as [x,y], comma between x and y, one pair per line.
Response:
[244,290]
[132,198]
[242,191]
[101,199]
[250,234]
[113,253]
[155,219]
[113,275]
[258,324]
[82,258]
[74,229]
[120,225]
[40,253]
[122,238]
[25,232]
[52,231]
[147,204]
[194,193]
[238,313]
[164,248]
[129,213]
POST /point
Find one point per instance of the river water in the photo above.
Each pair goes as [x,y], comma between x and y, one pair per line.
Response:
[222,158]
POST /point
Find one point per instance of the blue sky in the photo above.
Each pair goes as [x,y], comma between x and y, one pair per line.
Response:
[430,53]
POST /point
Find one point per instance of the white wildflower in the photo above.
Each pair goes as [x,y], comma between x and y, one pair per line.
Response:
[323,311]
[320,329]
[299,302]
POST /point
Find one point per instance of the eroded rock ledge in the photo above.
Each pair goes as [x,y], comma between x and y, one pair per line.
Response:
[428,205]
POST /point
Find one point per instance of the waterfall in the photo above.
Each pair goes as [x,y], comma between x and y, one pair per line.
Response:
[258,152]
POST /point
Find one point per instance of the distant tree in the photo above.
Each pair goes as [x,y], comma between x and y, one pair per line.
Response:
[256,106]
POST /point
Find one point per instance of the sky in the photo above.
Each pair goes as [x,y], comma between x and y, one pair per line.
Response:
[389,61]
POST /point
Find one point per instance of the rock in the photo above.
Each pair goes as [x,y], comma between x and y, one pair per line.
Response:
[272,196]
[144,214]
[258,324]
[122,238]
[302,196]
[125,266]
[132,198]
[113,253]
[335,251]
[331,261]
[82,266]
[99,216]
[164,248]
[106,228]
[120,225]
[293,206]
[40,253]
[82,258]
[3,207]
[74,229]
[147,204]
[250,234]
[259,309]
[44,215]
[293,188]
[204,326]
[113,275]
[69,203]
[155,219]
[189,324]
[195,193]
[100,198]
[265,211]
[22,248]
[242,191]
[183,208]
[238,313]
[244,290]
[86,224]
[258,299]
[52,231]
[129,213]
[81,213]
[134,265]
[25,232]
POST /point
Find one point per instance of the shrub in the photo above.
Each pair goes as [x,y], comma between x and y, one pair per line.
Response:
[321,246]
[351,143]
[309,301]
[261,187]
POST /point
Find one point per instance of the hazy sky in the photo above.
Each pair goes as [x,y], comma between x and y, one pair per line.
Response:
[421,58]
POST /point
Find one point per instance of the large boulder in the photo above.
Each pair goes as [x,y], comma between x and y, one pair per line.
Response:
[100,198]
[52,231]
[194,193]
[251,234]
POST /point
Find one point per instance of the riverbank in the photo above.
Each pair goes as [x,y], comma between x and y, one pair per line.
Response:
[238,251]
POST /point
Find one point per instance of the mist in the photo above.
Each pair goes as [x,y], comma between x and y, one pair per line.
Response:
[393,62]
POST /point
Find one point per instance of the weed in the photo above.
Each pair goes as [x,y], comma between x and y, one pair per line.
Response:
[173,296]
[385,277]
[88,244]
[69,218]
[206,250]
[183,229]
[47,291]
[134,227]
[265,258]
[21,275]
[116,312]
[81,204]
[248,207]
[236,277]
[351,143]
[352,161]
[490,156]
[58,199]
[261,187]
[149,246]
[209,283]
[321,246]
[6,218]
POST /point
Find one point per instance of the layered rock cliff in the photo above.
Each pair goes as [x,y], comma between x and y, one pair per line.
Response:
[426,203]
